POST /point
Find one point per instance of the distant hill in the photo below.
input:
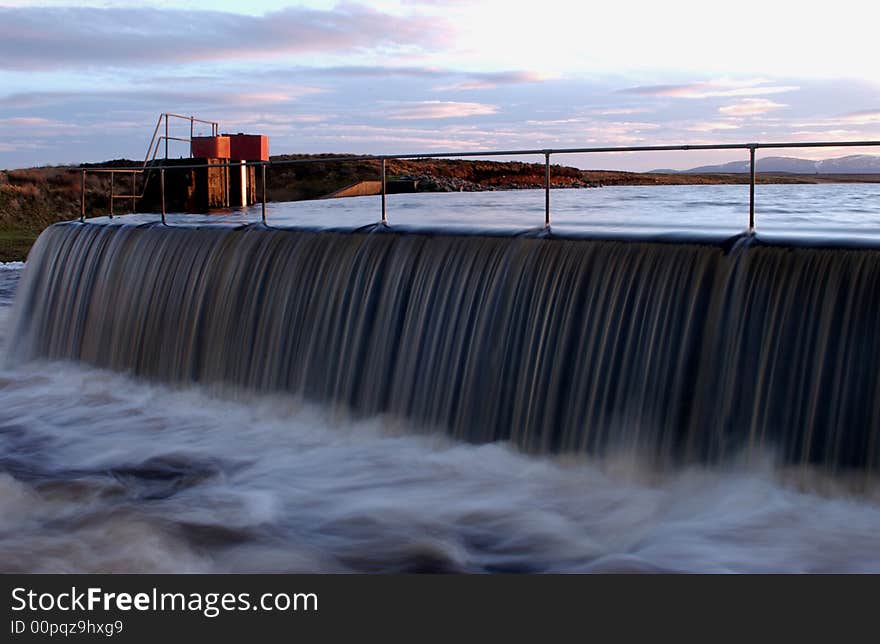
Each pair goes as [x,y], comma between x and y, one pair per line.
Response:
[853,164]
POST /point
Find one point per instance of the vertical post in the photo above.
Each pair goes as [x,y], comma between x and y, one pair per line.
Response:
[112,177]
[166,135]
[752,189]
[227,170]
[82,197]
[264,193]
[133,198]
[546,190]
[190,137]
[162,191]
[243,176]
[384,189]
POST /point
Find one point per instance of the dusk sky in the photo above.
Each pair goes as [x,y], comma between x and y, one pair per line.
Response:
[87,82]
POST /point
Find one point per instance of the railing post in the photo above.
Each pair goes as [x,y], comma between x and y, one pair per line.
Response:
[166,136]
[82,197]
[384,189]
[752,189]
[133,198]
[191,130]
[162,192]
[226,169]
[264,193]
[112,181]
[546,190]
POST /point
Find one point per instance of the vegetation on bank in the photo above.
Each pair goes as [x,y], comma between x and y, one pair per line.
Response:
[31,199]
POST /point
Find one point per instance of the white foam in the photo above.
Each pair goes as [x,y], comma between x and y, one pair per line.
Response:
[270,483]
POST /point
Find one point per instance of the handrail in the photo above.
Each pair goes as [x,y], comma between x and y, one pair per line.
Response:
[152,152]
[545,152]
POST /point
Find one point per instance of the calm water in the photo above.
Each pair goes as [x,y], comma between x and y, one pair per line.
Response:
[102,472]
[812,212]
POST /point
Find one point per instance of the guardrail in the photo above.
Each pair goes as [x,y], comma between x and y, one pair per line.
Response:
[546,153]
[150,158]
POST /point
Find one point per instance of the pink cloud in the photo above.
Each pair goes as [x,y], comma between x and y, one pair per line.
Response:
[751,107]
[64,37]
[712,126]
[712,89]
[490,80]
[863,117]
[442,110]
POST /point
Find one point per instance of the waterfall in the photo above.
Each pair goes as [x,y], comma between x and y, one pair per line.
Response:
[690,351]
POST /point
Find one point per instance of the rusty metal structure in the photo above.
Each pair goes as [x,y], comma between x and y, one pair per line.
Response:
[218,152]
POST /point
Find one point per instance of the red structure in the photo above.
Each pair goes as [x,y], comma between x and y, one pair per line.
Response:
[248,147]
[210,147]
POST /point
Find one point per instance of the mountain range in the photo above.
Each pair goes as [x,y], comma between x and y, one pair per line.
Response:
[853,164]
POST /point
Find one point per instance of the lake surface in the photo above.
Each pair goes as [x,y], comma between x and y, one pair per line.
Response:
[103,472]
[814,212]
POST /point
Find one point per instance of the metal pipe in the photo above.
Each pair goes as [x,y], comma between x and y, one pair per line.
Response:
[82,197]
[186,117]
[496,153]
[264,193]
[153,140]
[133,191]
[546,190]
[166,136]
[751,189]
[112,177]
[191,125]
[162,192]
[384,192]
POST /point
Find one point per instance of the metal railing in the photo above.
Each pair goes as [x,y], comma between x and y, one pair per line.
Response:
[149,160]
[546,153]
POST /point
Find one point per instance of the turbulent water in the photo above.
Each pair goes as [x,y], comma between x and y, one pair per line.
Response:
[136,448]
[685,351]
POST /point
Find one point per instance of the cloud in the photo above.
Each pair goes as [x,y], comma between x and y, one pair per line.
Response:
[712,126]
[442,110]
[751,107]
[213,96]
[711,89]
[490,80]
[619,111]
[862,117]
[33,38]
[27,121]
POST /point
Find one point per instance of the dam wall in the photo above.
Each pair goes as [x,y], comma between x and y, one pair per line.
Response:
[693,352]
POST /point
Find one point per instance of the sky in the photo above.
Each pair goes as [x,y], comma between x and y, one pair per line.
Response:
[86,81]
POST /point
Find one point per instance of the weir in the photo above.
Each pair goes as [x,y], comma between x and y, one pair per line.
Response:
[689,351]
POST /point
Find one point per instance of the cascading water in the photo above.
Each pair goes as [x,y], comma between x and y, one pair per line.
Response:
[685,351]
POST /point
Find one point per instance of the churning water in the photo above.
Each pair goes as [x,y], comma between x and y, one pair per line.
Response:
[252,400]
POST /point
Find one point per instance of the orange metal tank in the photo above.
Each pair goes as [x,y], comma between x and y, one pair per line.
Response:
[210,147]
[249,147]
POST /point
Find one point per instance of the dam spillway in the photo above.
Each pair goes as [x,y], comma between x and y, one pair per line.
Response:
[688,351]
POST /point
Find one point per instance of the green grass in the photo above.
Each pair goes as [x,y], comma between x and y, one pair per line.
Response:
[15,243]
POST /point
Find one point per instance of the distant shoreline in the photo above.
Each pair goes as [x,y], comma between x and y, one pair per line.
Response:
[33,198]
